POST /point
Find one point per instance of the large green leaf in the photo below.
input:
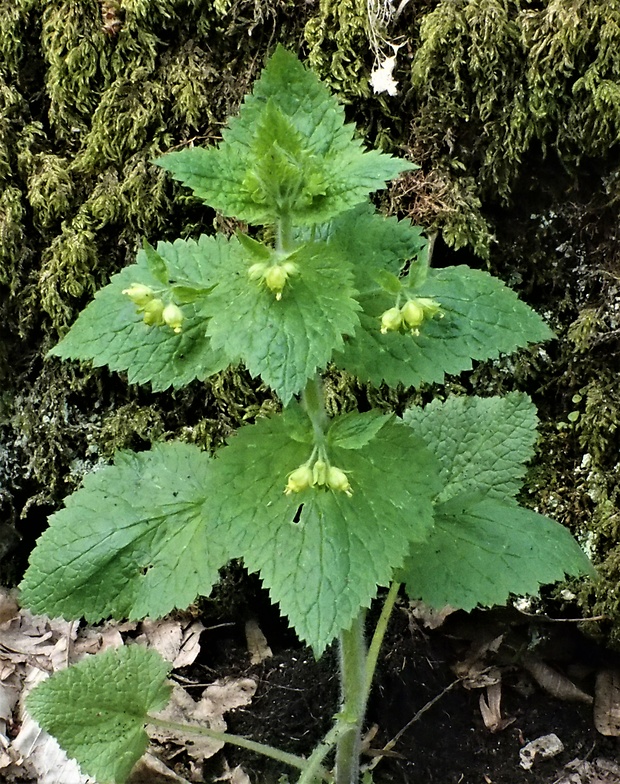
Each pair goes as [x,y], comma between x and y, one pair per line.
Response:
[482,552]
[285,341]
[110,331]
[322,553]
[482,443]
[135,540]
[97,709]
[373,242]
[482,318]
[323,169]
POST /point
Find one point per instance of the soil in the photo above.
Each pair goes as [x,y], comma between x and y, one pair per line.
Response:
[418,688]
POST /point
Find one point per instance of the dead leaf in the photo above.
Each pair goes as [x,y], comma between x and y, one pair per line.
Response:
[490,709]
[607,702]
[553,682]
[234,775]
[8,606]
[216,700]
[601,771]
[430,618]
[176,642]
[257,642]
[151,770]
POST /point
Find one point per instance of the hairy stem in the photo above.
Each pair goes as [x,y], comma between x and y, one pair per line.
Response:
[353,683]
[379,634]
[237,740]
[313,401]
[313,768]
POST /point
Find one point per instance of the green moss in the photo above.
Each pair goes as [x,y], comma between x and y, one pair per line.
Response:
[338,40]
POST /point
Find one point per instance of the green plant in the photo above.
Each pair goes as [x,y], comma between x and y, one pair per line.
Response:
[326,510]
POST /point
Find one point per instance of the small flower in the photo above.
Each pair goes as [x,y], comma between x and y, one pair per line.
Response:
[153,313]
[299,480]
[173,317]
[139,294]
[430,307]
[276,276]
[412,313]
[257,271]
[319,473]
[337,480]
[391,320]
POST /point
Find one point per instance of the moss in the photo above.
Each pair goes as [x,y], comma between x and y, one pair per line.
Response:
[338,39]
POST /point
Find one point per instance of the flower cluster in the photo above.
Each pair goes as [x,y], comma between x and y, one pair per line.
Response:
[273,275]
[155,311]
[321,474]
[410,316]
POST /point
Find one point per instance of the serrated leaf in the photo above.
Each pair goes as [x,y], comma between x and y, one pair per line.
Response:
[353,430]
[482,319]
[156,263]
[321,553]
[488,551]
[331,172]
[482,444]
[374,242]
[136,539]
[284,341]
[110,330]
[97,709]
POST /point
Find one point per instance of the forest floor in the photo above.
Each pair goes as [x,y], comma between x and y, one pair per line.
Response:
[454,704]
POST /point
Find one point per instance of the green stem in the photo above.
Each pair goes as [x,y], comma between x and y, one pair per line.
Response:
[313,767]
[237,740]
[377,637]
[284,234]
[353,682]
[313,401]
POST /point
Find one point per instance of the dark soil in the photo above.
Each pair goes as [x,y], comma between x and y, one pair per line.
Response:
[448,742]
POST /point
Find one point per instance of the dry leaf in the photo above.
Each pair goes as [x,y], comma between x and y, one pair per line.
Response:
[601,771]
[151,770]
[177,643]
[257,642]
[607,702]
[430,618]
[234,775]
[553,682]
[490,709]
[216,700]
[8,606]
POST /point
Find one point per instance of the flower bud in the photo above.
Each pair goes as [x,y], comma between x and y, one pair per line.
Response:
[153,313]
[412,313]
[319,473]
[391,320]
[275,278]
[429,306]
[256,271]
[299,479]
[139,294]
[337,480]
[173,317]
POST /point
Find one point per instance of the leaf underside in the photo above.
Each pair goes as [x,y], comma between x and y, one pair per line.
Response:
[321,553]
[97,709]
[135,540]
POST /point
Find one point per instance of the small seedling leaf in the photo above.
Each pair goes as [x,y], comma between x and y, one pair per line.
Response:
[97,709]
